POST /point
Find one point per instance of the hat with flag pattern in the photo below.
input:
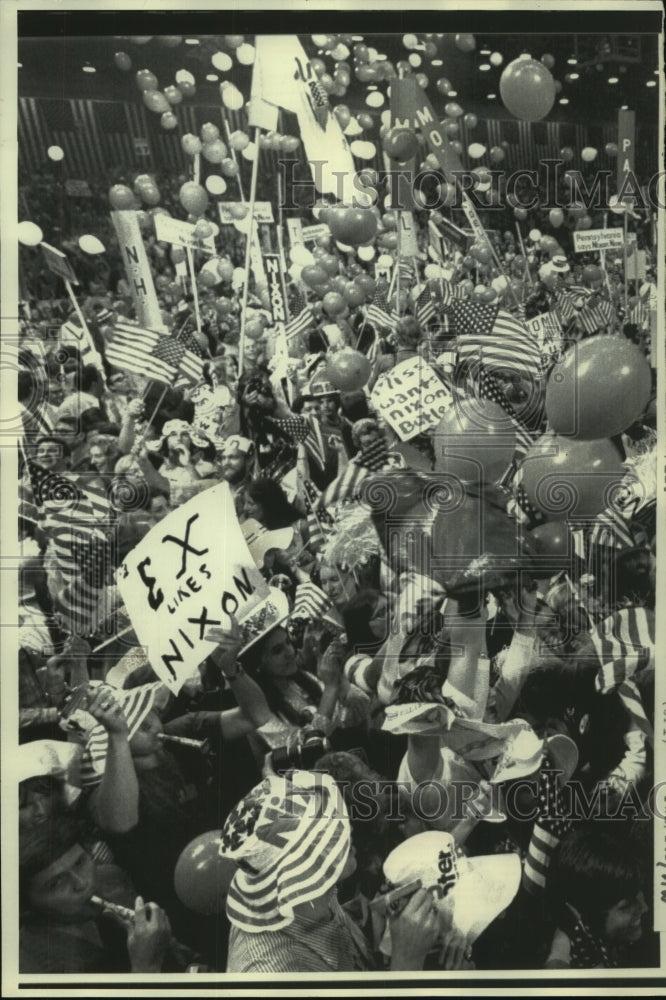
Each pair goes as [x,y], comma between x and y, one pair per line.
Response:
[290,838]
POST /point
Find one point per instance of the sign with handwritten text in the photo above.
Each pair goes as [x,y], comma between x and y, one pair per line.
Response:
[411,398]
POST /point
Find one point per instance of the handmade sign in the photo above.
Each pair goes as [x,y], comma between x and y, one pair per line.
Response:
[137,268]
[411,398]
[312,233]
[57,263]
[547,331]
[181,234]
[597,239]
[189,574]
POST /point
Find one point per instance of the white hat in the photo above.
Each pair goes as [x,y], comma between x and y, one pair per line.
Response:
[260,540]
[469,892]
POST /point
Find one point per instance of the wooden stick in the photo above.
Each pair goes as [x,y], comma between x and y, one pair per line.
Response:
[234,157]
[82,320]
[248,253]
[195,290]
[626,278]
[137,444]
[196,168]
[280,240]
[522,250]
[107,642]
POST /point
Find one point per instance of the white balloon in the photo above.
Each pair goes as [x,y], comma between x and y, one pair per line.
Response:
[184,76]
[496,59]
[366,253]
[215,184]
[340,52]
[238,278]
[90,244]
[243,225]
[231,96]
[299,254]
[535,235]
[343,247]
[385,118]
[366,198]
[353,128]
[365,150]
[29,234]
[55,153]
[250,151]
[375,99]
[245,54]
[385,260]
[222,61]
[414,59]
[432,271]
[476,150]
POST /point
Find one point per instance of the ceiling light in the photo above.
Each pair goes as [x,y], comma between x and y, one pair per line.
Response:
[491,97]
[625,107]
[564,100]
[485,52]
[20,65]
[191,41]
[440,62]
[573,76]
[613,79]
[484,67]
[89,69]
[651,83]
[573,61]
[452,93]
[213,77]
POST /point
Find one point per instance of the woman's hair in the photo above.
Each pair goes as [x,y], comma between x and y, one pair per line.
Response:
[275,698]
[278,512]
[356,615]
[593,868]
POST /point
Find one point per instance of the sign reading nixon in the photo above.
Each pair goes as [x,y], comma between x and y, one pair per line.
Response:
[191,571]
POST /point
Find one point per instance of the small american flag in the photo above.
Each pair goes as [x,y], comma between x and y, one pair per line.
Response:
[425,308]
[306,431]
[154,355]
[310,601]
[593,318]
[548,830]
[625,644]
[379,312]
[495,338]
[318,520]
[640,315]
[302,315]
[564,307]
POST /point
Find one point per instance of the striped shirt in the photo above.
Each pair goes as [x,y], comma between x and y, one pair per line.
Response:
[336,945]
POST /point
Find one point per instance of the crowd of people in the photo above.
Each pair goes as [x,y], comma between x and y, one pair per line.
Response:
[394,776]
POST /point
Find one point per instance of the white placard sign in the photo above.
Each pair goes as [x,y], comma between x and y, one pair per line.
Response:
[598,239]
[181,234]
[411,398]
[547,331]
[188,575]
[311,233]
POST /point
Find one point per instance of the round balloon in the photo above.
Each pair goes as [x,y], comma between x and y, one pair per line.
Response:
[121,197]
[527,89]
[202,877]
[193,198]
[29,234]
[352,226]
[465,42]
[347,369]
[474,441]
[598,389]
[122,61]
[55,153]
[562,476]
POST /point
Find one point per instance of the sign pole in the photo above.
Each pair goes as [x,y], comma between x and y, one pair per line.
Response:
[248,252]
[193,282]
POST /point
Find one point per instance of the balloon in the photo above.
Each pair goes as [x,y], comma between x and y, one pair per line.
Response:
[496,59]
[347,369]
[301,255]
[55,153]
[140,39]
[375,99]
[588,154]
[552,539]
[173,94]
[225,269]
[214,151]
[330,263]
[474,431]
[352,226]
[222,61]
[556,217]
[476,150]
[170,41]
[366,253]
[191,144]
[592,273]
[400,144]
[215,184]
[234,41]
[156,101]
[520,213]
[209,132]
[145,80]
[466,43]
[121,197]
[168,121]
[202,877]
[238,140]
[245,54]
[29,234]
[365,120]
[527,89]
[598,389]
[611,149]
[567,154]
[470,120]
[193,198]
[353,293]
[122,60]
[231,96]
[444,86]
[496,154]
[563,476]
[548,60]
[453,110]
[333,303]
[367,283]
[313,274]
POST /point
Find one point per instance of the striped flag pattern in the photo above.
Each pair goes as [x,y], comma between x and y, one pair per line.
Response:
[152,354]
[306,431]
[592,318]
[640,315]
[74,334]
[302,316]
[548,830]
[624,643]
[69,124]
[310,601]
[349,484]
[319,521]
[379,313]
[495,338]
